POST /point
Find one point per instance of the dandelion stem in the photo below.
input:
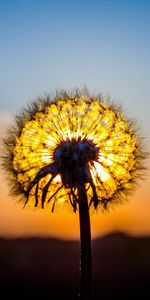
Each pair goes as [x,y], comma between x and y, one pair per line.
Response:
[85,238]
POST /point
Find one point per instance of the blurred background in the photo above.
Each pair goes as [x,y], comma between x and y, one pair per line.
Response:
[48,45]
[53,44]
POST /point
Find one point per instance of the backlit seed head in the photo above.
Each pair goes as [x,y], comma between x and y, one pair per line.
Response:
[69,140]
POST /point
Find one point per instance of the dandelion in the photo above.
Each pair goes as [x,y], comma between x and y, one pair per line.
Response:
[73,149]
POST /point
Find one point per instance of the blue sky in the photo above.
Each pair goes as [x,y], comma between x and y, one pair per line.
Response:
[47,45]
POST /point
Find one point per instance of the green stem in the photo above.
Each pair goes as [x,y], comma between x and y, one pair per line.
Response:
[85,239]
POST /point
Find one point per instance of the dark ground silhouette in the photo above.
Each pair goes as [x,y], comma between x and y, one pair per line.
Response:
[45,268]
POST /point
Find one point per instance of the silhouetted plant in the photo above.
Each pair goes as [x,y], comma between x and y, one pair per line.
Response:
[73,149]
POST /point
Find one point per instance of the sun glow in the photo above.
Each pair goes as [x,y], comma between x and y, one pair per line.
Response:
[79,119]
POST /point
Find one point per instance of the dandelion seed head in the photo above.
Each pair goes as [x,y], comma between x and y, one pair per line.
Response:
[60,143]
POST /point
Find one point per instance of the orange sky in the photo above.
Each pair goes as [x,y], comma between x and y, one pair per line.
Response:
[132,217]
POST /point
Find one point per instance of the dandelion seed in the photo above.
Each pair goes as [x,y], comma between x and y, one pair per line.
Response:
[69,141]
[73,149]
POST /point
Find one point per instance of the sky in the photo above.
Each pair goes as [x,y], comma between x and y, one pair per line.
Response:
[49,45]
